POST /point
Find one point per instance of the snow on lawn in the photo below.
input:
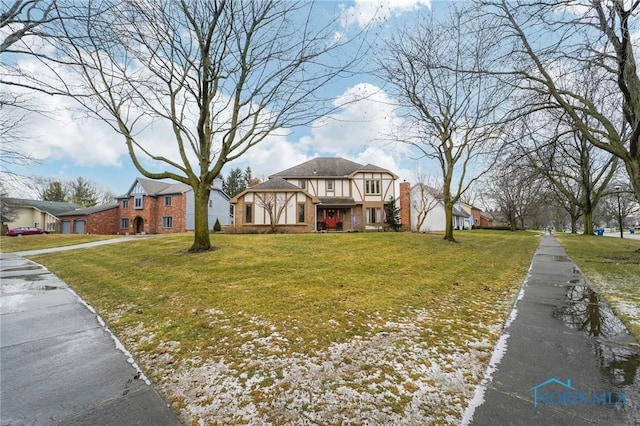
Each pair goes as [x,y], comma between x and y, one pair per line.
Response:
[388,377]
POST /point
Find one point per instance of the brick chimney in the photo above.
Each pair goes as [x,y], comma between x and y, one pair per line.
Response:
[254,182]
[405,205]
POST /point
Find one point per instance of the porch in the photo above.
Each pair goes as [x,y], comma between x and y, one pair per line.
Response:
[336,214]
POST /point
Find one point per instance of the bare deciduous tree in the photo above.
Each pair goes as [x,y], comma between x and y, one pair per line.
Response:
[554,44]
[514,192]
[435,70]
[19,20]
[274,204]
[220,76]
[561,155]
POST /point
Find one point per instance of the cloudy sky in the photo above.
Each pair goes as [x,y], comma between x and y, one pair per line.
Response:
[68,144]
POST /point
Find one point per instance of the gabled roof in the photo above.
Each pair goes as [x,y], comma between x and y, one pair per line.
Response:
[51,207]
[327,167]
[273,184]
[89,210]
[276,183]
[155,188]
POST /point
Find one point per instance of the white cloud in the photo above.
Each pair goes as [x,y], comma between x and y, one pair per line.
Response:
[366,12]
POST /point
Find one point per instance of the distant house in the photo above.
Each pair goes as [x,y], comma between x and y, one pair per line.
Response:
[150,207]
[36,213]
[325,193]
[422,210]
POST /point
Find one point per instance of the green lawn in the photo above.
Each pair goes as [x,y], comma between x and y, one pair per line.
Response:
[613,267]
[36,242]
[283,328]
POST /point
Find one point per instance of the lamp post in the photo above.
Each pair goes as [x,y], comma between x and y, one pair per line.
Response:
[617,188]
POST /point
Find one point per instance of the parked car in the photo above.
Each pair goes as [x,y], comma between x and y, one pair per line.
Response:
[17,232]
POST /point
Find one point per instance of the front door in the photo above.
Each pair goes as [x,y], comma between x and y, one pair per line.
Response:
[138,225]
[332,217]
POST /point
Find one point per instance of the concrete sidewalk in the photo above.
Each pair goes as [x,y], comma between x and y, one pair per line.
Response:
[564,357]
[59,364]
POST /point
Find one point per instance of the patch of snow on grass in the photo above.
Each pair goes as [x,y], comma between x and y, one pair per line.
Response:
[392,377]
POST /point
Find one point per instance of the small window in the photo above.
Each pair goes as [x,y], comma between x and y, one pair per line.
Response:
[124,223]
[167,221]
[137,202]
[330,185]
[372,186]
[210,203]
[125,204]
[248,213]
[301,207]
[167,200]
[302,184]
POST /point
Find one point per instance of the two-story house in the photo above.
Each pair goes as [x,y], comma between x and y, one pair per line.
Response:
[320,194]
[149,207]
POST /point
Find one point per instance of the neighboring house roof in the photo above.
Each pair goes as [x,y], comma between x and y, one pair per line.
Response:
[89,210]
[435,193]
[156,188]
[460,212]
[327,167]
[52,207]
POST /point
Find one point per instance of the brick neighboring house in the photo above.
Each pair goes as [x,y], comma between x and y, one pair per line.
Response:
[150,207]
[320,194]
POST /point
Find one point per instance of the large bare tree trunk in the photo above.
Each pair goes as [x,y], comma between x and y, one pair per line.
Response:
[201,239]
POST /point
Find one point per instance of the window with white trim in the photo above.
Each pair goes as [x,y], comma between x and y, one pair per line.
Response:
[372,186]
[330,185]
[125,204]
[138,202]
[167,200]
[374,215]
[167,221]
[124,223]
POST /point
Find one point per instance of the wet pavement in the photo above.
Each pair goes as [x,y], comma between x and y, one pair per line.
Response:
[59,364]
[564,358]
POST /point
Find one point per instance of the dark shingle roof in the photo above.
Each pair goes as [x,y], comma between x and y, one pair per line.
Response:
[53,207]
[157,187]
[276,183]
[89,210]
[321,167]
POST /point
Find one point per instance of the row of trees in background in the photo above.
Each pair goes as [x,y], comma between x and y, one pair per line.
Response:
[84,192]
